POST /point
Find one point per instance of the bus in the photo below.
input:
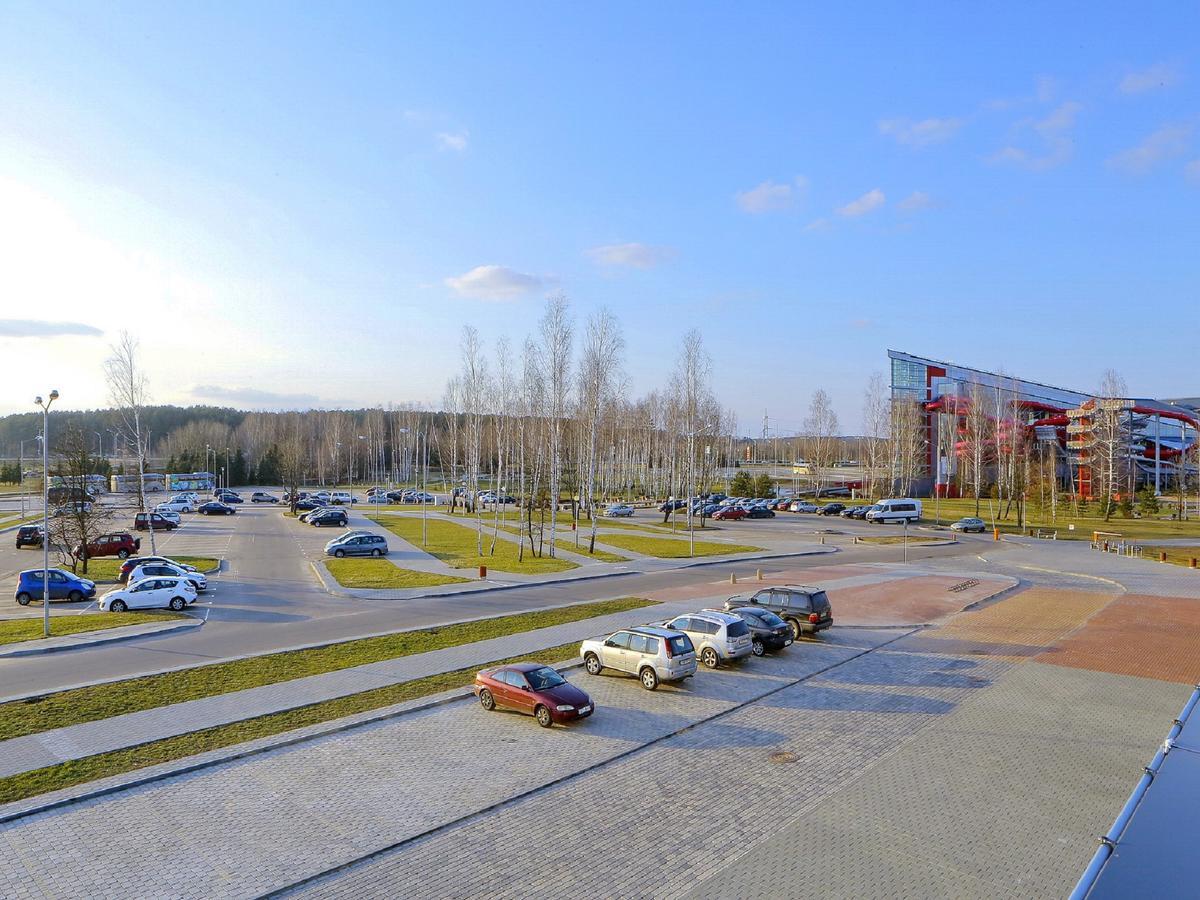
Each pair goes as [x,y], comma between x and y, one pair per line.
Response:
[154,482]
[201,482]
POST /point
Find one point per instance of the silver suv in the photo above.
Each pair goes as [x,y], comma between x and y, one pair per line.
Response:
[652,654]
[718,636]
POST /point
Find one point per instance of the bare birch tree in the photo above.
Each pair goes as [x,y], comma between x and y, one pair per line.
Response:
[129,391]
[602,348]
[556,361]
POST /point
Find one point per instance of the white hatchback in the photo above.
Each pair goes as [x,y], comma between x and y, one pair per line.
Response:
[171,570]
[150,593]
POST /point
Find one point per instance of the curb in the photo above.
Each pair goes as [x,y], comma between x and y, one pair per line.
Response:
[100,638]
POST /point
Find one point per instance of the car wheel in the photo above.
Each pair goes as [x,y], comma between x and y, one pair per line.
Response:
[177,603]
[591,662]
[123,554]
[339,553]
[486,700]
[649,678]
[117,606]
[757,648]
[543,717]
[796,629]
[709,657]
[377,553]
[23,599]
[75,596]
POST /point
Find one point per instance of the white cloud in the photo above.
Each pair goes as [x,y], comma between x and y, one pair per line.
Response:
[915,201]
[871,200]
[1157,76]
[922,133]
[493,283]
[633,255]
[1055,134]
[37,328]
[253,396]
[1166,142]
[453,140]
[770,196]
[1192,171]
[862,324]
[821,224]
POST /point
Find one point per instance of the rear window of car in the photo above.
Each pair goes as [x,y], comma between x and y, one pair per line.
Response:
[770,619]
[820,601]
[681,643]
[736,629]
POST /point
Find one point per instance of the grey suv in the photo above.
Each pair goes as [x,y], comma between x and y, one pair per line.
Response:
[652,654]
[718,636]
[805,609]
[357,544]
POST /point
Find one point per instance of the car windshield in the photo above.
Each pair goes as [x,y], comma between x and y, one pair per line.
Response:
[544,678]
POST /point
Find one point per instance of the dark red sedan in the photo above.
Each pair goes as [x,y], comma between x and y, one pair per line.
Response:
[730,512]
[533,689]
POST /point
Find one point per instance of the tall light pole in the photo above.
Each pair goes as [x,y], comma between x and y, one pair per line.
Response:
[228,469]
[46,510]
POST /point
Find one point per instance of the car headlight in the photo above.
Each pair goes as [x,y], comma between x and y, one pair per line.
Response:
[565,708]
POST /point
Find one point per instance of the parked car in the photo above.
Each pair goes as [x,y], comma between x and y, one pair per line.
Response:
[172,517]
[328,517]
[969,523]
[63,586]
[229,497]
[672,505]
[895,510]
[802,506]
[533,689]
[380,498]
[730,512]
[158,569]
[341,498]
[143,521]
[176,506]
[186,497]
[357,545]
[767,631]
[781,505]
[309,504]
[851,512]
[134,561]
[215,508]
[323,496]
[75,507]
[305,516]
[263,497]
[717,636]
[831,509]
[760,512]
[150,593]
[29,536]
[805,610]
[653,654]
[619,511]
[117,543]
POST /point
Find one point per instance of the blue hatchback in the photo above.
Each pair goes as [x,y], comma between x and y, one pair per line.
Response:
[63,586]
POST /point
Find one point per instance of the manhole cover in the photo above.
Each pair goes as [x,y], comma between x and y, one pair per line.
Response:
[783,756]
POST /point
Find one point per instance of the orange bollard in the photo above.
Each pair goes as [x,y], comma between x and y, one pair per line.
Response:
[995,534]
[483,571]
[1162,555]
[1192,563]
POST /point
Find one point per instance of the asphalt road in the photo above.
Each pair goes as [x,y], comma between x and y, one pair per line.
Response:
[267,598]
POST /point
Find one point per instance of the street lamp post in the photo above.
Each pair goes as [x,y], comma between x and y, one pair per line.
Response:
[46,510]
[228,469]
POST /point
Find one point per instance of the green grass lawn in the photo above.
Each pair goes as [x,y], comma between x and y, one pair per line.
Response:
[102,765]
[899,539]
[1143,528]
[1178,556]
[107,569]
[670,548]
[13,631]
[89,704]
[381,573]
[454,545]
[569,544]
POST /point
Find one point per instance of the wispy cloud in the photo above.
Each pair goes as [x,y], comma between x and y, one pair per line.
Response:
[1054,132]
[453,140]
[1154,78]
[770,196]
[493,283]
[253,396]
[920,133]
[632,255]
[868,202]
[40,328]
[1192,171]
[1166,142]
[915,202]
[862,324]
[821,224]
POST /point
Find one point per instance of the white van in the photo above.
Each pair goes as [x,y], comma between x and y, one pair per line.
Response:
[341,498]
[902,510]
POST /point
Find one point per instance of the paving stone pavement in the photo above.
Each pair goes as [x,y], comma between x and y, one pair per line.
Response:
[248,826]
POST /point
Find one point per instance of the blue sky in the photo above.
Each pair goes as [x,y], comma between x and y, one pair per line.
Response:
[296,203]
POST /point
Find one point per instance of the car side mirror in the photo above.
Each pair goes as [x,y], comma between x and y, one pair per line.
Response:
[610,643]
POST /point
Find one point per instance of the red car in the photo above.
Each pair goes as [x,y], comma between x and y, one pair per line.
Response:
[533,689]
[730,512]
[121,543]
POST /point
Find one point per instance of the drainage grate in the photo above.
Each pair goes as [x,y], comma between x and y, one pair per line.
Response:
[963,585]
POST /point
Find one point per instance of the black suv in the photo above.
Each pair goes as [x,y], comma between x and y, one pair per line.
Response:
[767,630]
[329,517]
[29,536]
[805,610]
[831,509]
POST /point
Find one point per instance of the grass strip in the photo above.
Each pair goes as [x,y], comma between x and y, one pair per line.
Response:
[89,704]
[455,545]
[381,573]
[900,539]
[107,569]
[1176,556]
[569,545]
[669,548]
[14,631]
[116,762]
